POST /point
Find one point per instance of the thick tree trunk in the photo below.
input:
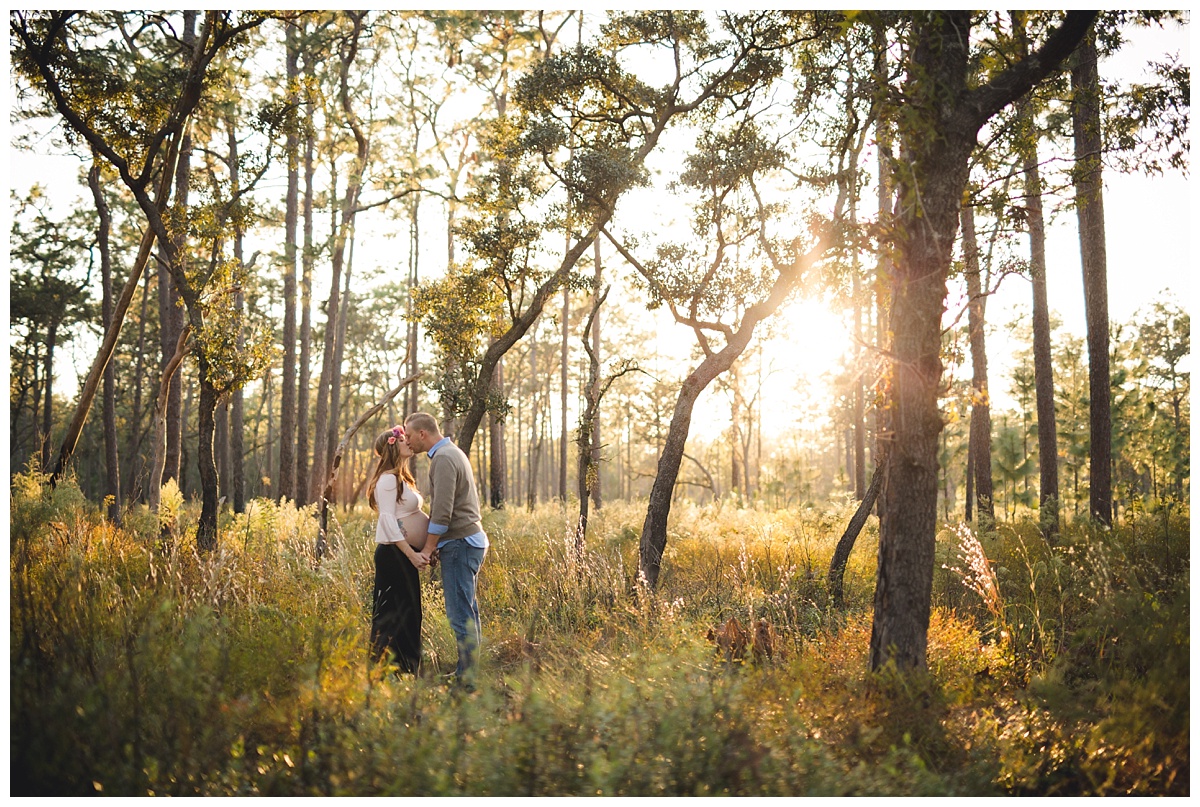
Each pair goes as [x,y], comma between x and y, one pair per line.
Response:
[937,140]
[287,395]
[981,407]
[112,476]
[1089,205]
[927,216]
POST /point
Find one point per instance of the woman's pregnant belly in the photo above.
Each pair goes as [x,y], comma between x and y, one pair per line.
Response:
[415,528]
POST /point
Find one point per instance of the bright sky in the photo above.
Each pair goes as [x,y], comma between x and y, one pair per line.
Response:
[1149,237]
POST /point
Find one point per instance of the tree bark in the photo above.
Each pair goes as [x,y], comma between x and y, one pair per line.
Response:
[236,481]
[136,432]
[112,481]
[1043,365]
[287,395]
[339,351]
[170,319]
[182,346]
[845,544]
[937,139]
[206,528]
[654,529]
[306,260]
[595,363]
[498,472]
[562,445]
[325,424]
[981,408]
[214,36]
[860,425]
[48,388]
[1089,206]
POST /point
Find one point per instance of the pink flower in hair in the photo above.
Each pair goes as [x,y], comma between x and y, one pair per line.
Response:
[392,440]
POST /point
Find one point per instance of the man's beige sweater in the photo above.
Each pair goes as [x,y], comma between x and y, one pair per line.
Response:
[453,499]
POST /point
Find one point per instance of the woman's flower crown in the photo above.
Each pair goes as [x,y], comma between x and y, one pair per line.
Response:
[396,432]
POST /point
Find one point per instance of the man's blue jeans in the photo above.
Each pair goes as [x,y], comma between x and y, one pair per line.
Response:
[460,566]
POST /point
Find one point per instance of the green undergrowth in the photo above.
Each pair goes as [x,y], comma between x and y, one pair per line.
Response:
[140,666]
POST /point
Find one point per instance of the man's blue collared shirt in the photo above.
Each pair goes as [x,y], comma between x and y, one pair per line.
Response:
[478,540]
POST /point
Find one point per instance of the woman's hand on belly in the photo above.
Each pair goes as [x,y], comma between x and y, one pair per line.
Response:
[415,528]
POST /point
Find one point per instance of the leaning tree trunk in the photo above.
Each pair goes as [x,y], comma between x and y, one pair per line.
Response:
[981,407]
[654,528]
[1089,206]
[845,544]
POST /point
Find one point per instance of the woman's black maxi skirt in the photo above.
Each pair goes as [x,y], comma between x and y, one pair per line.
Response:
[396,619]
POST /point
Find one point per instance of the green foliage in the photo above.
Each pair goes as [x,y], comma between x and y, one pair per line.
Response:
[139,666]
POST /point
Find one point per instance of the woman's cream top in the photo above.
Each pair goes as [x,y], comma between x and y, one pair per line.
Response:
[387,529]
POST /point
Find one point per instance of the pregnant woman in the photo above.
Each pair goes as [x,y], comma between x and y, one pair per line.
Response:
[400,536]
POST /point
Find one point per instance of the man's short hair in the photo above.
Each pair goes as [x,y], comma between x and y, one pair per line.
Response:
[422,420]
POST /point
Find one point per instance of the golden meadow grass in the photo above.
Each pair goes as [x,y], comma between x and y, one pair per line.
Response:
[140,666]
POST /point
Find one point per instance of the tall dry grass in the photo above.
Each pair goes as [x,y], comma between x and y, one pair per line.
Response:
[140,666]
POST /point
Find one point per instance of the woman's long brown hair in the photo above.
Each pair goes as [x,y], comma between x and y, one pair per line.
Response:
[390,461]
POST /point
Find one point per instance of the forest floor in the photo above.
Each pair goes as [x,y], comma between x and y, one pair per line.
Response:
[141,667]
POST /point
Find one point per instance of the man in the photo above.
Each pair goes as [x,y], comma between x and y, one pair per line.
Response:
[460,540]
